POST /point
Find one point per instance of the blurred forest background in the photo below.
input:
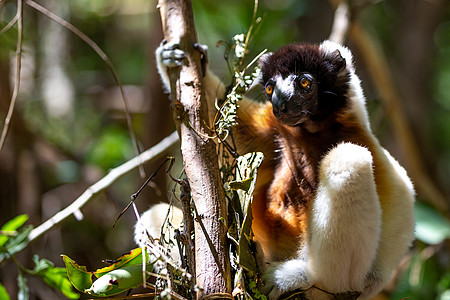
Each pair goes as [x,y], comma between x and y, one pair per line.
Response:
[69,126]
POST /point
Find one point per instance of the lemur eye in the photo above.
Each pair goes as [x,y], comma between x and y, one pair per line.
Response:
[305,82]
[269,89]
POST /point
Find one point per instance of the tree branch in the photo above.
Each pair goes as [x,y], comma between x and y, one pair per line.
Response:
[199,152]
[15,94]
[341,22]
[104,183]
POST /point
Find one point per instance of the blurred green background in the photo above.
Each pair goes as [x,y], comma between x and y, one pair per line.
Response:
[69,126]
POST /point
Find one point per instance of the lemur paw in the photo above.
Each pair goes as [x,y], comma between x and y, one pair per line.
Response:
[281,278]
[170,54]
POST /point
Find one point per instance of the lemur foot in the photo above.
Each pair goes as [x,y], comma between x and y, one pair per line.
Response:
[283,277]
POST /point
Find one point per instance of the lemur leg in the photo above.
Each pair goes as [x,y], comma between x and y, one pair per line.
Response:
[345,220]
[344,229]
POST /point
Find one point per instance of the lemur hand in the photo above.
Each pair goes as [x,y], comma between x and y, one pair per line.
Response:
[170,54]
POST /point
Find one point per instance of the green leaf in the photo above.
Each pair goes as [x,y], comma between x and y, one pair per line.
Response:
[24,292]
[53,276]
[241,185]
[12,225]
[118,281]
[80,278]
[132,258]
[3,293]
[57,278]
[41,265]
[16,243]
[431,227]
[128,267]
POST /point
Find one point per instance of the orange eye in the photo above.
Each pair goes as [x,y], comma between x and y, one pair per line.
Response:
[305,83]
[269,90]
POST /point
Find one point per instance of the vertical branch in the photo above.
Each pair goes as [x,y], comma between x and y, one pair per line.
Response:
[17,74]
[199,152]
[341,22]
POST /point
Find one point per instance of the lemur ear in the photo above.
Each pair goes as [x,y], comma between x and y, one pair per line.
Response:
[340,56]
[263,62]
[264,59]
[338,61]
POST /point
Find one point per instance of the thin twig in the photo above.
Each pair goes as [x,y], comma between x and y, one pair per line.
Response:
[247,38]
[135,195]
[104,183]
[17,74]
[104,57]
[10,24]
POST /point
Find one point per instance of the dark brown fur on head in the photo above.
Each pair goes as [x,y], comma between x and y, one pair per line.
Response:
[325,67]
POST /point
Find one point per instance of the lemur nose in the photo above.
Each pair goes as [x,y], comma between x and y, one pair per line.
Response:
[279,108]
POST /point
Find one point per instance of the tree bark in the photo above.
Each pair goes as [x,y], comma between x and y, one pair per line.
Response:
[199,152]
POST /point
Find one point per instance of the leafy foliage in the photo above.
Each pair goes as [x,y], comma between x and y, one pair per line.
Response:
[13,239]
[243,186]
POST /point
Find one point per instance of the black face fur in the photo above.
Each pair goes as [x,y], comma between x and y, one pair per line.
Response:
[292,103]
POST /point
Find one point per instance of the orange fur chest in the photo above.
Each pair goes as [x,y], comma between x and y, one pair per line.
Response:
[281,201]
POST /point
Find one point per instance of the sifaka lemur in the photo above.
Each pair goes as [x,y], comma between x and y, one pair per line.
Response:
[332,210]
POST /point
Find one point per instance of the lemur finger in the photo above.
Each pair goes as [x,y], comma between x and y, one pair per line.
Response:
[201,48]
[172,63]
[172,54]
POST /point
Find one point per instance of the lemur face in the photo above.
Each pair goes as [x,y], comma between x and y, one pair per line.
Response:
[294,98]
[302,83]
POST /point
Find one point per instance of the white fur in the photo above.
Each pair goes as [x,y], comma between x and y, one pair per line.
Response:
[357,234]
[355,93]
[397,230]
[160,218]
[286,85]
[345,220]
[344,229]
[281,277]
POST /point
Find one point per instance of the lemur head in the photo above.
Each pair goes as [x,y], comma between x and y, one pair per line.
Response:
[306,82]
